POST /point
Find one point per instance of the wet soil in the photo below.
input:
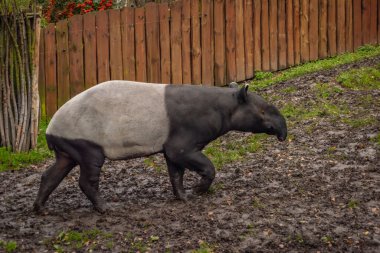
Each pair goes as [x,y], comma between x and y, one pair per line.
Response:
[317,192]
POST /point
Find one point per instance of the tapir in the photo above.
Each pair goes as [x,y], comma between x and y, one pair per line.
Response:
[122,120]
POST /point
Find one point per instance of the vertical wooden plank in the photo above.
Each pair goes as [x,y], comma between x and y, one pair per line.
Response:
[141,75]
[341,24]
[102,46]
[128,43]
[366,21]
[323,29]
[357,8]
[196,61]
[176,43]
[220,56]
[230,40]
[297,31]
[373,27]
[282,43]
[257,34]
[186,42]
[378,23]
[76,54]
[89,41]
[116,60]
[313,29]
[273,31]
[290,32]
[152,43]
[349,27]
[207,60]
[50,68]
[240,52]
[332,27]
[164,42]
[265,35]
[63,74]
[248,38]
[41,75]
[305,43]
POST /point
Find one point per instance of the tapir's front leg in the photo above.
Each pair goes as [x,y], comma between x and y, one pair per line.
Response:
[203,166]
[193,160]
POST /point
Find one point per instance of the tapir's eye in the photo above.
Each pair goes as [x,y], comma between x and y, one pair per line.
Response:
[262,111]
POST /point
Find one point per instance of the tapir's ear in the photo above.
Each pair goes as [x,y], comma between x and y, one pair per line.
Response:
[233,85]
[243,94]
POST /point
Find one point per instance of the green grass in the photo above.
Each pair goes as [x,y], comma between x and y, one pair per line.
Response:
[290,89]
[325,90]
[11,161]
[327,239]
[9,246]
[352,204]
[256,203]
[376,139]
[73,240]
[203,248]
[223,153]
[367,78]
[296,113]
[361,122]
[150,162]
[264,80]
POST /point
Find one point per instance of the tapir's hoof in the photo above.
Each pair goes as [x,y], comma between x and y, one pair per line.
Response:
[37,208]
[101,208]
[182,197]
[199,189]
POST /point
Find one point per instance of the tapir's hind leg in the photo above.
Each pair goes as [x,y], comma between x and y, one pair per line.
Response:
[52,177]
[176,178]
[89,177]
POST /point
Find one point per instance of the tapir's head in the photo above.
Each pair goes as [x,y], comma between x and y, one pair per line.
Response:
[255,115]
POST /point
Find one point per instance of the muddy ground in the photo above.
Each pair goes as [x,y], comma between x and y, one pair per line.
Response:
[317,192]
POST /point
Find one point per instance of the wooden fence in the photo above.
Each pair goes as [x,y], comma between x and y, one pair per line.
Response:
[198,42]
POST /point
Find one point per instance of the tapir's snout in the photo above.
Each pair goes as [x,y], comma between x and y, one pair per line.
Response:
[282,137]
[282,132]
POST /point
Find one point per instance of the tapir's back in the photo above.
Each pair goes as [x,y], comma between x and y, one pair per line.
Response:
[127,119]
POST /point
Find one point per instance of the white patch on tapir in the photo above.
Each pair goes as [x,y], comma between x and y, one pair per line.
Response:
[127,119]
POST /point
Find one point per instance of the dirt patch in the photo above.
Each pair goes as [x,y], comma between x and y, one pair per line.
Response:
[319,191]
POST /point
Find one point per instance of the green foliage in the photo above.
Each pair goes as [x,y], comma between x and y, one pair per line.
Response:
[223,153]
[361,79]
[302,112]
[72,240]
[376,139]
[259,75]
[299,238]
[361,122]
[150,162]
[204,247]
[290,89]
[10,160]
[215,188]
[256,203]
[7,5]
[325,90]
[352,204]
[9,246]
[281,76]
[327,239]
